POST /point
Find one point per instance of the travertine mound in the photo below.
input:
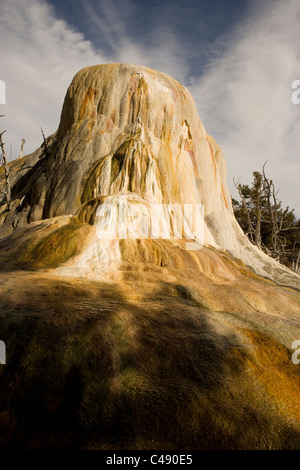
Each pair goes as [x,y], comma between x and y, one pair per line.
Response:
[129,130]
[138,343]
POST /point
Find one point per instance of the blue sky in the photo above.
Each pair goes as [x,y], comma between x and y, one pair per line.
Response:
[193,25]
[238,58]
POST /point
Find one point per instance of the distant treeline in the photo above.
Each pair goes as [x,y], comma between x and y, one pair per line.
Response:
[274,229]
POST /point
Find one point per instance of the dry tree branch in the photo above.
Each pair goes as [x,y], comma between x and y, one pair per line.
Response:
[6,172]
[44,142]
[22,148]
[250,228]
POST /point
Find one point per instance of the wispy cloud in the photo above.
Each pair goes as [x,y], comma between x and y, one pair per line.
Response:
[40,56]
[106,21]
[159,48]
[244,96]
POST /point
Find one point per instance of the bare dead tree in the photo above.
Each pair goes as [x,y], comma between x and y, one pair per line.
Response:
[272,209]
[6,172]
[44,142]
[22,148]
[258,219]
[250,232]
[277,219]
[297,263]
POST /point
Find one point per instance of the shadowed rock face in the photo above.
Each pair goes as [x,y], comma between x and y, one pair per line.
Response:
[138,343]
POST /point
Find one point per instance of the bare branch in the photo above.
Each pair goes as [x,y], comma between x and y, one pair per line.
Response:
[6,172]
[250,228]
[44,142]
[22,148]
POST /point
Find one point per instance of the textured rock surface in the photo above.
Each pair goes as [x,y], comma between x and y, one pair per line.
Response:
[153,359]
[141,343]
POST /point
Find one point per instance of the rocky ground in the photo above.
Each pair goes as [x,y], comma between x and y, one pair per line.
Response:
[152,359]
